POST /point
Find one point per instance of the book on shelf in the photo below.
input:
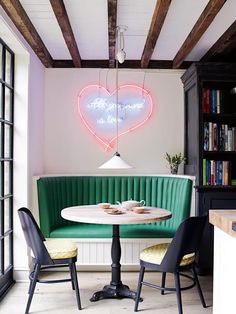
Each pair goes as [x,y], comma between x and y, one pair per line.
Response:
[204,172]
[215,137]
[206,136]
[219,137]
[212,100]
[210,135]
[233,182]
[216,172]
[218,97]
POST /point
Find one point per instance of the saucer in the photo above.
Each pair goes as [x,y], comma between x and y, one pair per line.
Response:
[113,211]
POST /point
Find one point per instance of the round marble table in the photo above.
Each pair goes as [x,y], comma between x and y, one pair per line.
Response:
[95,214]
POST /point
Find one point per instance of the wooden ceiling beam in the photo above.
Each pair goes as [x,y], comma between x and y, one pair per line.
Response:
[17,14]
[203,22]
[223,46]
[112,17]
[131,64]
[158,18]
[64,23]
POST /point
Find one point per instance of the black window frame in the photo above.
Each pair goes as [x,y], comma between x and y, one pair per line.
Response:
[6,184]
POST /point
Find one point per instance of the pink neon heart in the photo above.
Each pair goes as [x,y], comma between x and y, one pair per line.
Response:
[97,109]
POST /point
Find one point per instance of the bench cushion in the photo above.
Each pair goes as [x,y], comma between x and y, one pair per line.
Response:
[83,230]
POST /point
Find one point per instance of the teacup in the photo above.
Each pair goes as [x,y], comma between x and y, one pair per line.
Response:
[138,210]
[104,205]
[128,205]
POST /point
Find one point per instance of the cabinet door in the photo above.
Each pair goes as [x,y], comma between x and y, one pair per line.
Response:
[206,200]
[191,131]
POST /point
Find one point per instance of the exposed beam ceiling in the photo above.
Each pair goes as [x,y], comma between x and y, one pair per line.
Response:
[112,17]
[158,19]
[205,19]
[64,23]
[21,20]
[160,34]
[224,45]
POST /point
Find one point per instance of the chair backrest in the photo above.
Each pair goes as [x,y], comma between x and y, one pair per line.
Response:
[186,240]
[34,237]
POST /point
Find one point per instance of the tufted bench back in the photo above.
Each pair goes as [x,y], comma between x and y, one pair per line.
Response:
[56,193]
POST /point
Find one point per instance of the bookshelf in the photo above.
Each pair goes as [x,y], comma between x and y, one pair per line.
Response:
[210,142]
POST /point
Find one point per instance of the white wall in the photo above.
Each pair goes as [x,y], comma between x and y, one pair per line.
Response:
[69,147]
[55,141]
[28,130]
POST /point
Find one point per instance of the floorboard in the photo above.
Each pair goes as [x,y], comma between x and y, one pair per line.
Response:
[60,299]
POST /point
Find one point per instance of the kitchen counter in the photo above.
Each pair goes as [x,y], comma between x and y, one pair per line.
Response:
[224,220]
[224,273]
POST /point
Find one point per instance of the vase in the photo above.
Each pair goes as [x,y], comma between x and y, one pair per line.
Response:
[174,168]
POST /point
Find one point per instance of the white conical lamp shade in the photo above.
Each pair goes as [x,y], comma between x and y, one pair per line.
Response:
[116,162]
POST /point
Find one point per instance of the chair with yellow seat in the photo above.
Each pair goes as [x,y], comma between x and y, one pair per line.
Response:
[174,257]
[47,254]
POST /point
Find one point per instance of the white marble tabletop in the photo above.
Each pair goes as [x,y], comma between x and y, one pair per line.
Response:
[95,214]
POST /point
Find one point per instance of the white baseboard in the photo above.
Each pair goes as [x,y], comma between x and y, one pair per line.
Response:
[106,268]
[21,274]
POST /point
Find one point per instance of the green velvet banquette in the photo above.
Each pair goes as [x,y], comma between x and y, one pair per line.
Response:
[57,192]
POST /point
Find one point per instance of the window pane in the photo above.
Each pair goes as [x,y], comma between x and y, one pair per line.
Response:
[1,218]
[1,180]
[1,61]
[1,245]
[6,177]
[8,105]
[1,142]
[8,68]
[7,142]
[7,249]
[1,102]
[6,215]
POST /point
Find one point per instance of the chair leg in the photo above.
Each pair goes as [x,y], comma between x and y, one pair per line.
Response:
[32,287]
[75,281]
[140,283]
[163,282]
[178,293]
[199,287]
[71,275]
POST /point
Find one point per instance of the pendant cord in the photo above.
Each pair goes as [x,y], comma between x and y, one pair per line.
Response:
[117,104]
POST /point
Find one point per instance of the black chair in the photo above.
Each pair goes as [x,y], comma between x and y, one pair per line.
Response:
[174,257]
[47,254]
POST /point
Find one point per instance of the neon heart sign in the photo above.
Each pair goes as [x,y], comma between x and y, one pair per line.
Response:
[97,109]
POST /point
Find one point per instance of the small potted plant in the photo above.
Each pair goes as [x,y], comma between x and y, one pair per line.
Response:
[174,161]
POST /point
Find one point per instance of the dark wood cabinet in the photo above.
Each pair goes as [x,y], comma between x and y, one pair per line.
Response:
[210,142]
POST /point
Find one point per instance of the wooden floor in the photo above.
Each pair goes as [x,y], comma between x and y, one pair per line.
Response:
[60,299]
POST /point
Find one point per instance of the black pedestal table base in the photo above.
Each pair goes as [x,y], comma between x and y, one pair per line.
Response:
[114,292]
[116,289]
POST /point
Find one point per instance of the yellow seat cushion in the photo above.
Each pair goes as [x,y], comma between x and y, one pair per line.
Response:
[154,254]
[60,248]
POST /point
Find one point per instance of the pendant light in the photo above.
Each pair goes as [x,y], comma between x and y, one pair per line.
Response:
[120,55]
[116,162]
